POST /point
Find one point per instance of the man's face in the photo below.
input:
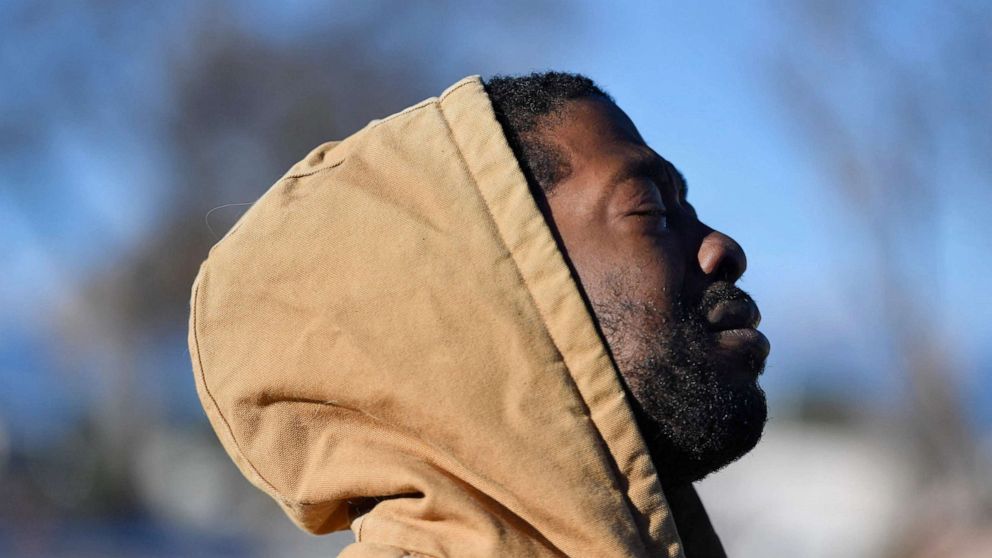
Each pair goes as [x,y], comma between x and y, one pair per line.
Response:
[661,284]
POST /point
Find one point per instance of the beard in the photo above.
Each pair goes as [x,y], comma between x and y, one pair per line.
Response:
[698,408]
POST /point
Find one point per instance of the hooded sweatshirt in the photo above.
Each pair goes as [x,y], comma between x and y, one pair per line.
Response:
[390,340]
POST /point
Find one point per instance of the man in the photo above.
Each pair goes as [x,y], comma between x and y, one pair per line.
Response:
[488,325]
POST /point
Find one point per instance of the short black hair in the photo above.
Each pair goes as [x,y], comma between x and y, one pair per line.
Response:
[523,105]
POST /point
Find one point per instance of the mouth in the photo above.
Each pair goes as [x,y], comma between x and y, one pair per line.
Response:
[733,314]
[734,323]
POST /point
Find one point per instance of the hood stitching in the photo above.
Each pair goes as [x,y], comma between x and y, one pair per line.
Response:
[213,400]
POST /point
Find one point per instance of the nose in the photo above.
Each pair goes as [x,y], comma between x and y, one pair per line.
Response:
[721,258]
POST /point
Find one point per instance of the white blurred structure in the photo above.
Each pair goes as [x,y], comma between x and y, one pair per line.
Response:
[812,491]
[186,480]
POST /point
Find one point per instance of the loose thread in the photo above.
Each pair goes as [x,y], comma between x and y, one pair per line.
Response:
[206,218]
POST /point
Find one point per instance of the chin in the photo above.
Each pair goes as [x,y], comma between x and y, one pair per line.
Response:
[687,446]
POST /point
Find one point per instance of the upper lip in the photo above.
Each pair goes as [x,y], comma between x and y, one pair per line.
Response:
[733,314]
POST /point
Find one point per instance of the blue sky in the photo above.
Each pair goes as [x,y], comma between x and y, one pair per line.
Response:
[694,77]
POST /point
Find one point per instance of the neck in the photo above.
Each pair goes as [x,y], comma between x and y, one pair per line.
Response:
[699,540]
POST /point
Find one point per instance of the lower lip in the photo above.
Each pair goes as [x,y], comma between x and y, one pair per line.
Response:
[744,339]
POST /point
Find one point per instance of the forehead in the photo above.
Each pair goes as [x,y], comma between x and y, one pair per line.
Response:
[586,127]
[603,145]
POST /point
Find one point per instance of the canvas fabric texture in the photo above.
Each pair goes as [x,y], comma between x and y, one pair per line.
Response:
[390,340]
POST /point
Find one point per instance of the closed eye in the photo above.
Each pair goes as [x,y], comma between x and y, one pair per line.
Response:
[658,214]
[650,211]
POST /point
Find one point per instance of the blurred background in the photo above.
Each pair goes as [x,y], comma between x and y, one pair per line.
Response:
[847,145]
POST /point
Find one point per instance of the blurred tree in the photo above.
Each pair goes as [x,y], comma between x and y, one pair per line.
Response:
[215,100]
[879,115]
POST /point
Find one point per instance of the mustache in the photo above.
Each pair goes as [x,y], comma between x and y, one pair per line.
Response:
[715,293]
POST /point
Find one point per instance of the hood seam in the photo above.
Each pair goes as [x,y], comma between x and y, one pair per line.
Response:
[213,400]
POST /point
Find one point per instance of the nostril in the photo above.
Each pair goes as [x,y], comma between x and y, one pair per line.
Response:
[722,258]
[729,270]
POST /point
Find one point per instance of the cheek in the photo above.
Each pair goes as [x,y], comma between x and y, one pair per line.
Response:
[652,270]
[659,278]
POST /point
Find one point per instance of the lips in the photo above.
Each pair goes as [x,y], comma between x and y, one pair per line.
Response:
[733,314]
[733,323]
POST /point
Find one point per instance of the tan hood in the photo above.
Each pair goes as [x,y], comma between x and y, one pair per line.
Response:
[392,324]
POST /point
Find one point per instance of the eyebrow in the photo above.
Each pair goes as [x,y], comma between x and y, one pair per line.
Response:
[651,165]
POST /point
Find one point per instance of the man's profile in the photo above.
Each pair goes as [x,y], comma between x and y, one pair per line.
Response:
[488,325]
